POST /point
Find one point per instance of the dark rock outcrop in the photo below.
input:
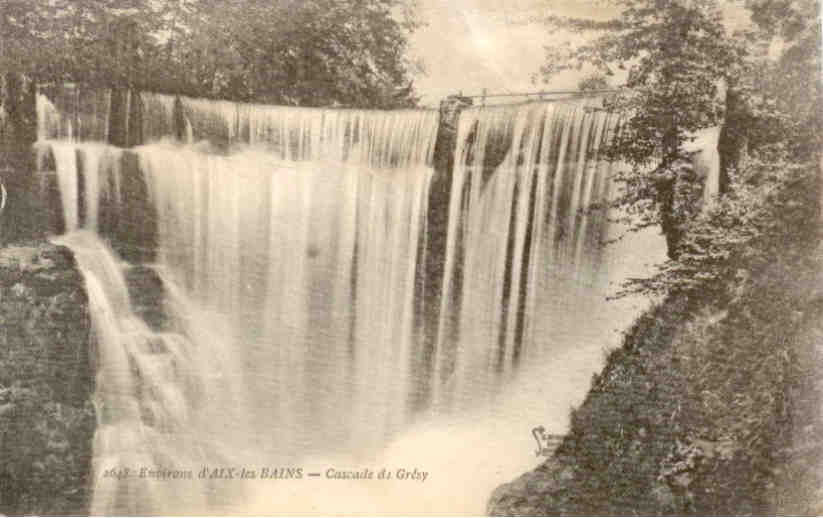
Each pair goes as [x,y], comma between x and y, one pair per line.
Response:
[147,294]
[528,494]
[46,380]
[432,252]
[130,222]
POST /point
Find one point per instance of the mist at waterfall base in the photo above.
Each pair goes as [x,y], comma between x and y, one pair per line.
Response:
[292,263]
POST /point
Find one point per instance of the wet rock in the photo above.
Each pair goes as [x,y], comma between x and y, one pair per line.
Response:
[147,295]
[130,224]
[432,250]
[543,491]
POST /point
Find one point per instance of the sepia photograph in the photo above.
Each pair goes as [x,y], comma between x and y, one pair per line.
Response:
[411,258]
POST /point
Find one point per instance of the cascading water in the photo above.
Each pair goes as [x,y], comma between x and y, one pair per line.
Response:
[290,255]
[523,247]
[74,114]
[159,395]
[311,253]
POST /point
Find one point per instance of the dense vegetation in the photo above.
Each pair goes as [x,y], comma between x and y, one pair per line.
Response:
[318,53]
[46,415]
[712,406]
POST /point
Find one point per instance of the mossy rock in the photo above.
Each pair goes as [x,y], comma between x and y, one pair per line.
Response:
[46,417]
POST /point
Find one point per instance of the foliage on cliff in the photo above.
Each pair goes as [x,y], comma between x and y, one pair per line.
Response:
[324,52]
[46,416]
[712,406]
[770,203]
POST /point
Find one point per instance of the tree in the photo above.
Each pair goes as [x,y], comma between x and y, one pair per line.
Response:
[788,88]
[686,70]
[318,53]
[349,52]
[72,40]
[323,52]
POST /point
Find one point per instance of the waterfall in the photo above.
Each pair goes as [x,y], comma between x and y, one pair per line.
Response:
[311,251]
[73,113]
[706,161]
[286,247]
[159,395]
[523,249]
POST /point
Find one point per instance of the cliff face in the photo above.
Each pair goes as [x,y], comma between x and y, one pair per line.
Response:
[46,381]
[705,409]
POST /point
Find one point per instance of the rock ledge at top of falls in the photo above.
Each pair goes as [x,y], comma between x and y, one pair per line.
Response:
[46,381]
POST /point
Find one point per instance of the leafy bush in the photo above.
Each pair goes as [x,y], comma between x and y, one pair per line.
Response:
[771,210]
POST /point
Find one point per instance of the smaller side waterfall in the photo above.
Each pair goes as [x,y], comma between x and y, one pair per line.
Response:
[89,179]
[706,161]
[162,402]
